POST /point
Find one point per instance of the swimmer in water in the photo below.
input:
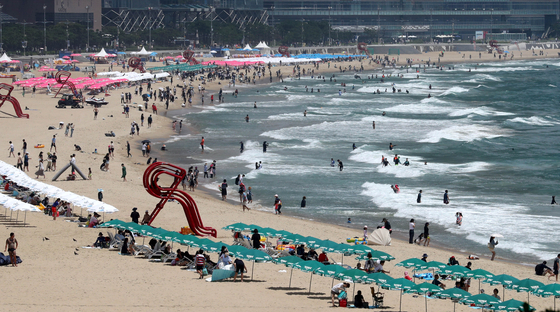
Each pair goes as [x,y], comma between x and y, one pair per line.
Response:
[354,146]
[459,217]
[255,105]
[383,114]
[391,146]
[247,118]
[242,147]
[446,197]
[430,86]
[332,162]
[406,162]
[285,88]
[554,201]
[305,113]
[429,95]
[374,125]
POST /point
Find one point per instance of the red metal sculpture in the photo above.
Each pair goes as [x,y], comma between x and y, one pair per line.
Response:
[160,170]
[136,63]
[188,56]
[284,51]
[362,47]
[9,98]
[62,78]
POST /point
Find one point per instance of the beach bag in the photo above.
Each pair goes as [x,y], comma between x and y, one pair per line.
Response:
[342,295]
[204,272]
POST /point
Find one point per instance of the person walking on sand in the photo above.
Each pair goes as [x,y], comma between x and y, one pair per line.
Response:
[411,226]
[491,245]
[427,234]
[11,245]
[11,149]
[53,143]
[95,112]
[277,204]
[123,172]
[555,267]
[223,188]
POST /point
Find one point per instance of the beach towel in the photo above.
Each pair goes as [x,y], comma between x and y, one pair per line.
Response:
[424,276]
[5,260]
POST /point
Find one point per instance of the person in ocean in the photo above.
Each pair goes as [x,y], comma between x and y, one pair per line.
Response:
[265,145]
[554,201]
[332,162]
[391,146]
[340,165]
[305,113]
[303,202]
[419,197]
[247,118]
[406,162]
[396,160]
[354,146]
[459,217]
[446,197]
[242,147]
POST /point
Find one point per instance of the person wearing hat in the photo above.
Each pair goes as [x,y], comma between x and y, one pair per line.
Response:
[135,215]
[453,261]
[365,232]
[256,238]
[425,257]
[146,218]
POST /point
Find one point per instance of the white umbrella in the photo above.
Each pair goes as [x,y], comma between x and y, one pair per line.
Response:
[497,235]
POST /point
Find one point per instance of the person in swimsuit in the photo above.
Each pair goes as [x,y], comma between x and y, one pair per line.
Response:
[11,246]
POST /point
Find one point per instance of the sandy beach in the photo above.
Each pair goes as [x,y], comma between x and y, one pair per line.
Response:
[52,277]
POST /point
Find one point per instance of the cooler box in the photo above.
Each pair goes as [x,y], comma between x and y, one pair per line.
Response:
[186,230]
[342,303]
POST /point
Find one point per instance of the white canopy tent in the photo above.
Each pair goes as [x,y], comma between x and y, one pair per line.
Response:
[5,58]
[22,179]
[276,60]
[262,45]
[247,47]
[141,52]
[102,53]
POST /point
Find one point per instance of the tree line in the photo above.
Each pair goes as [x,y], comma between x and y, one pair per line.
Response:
[74,36]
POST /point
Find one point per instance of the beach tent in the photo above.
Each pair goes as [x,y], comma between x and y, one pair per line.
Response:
[247,48]
[141,52]
[262,45]
[5,59]
[102,53]
[380,237]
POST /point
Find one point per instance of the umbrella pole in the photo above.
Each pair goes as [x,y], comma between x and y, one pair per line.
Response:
[354,290]
[400,302]
[504,292]
[332,285]
[554,303]
[17,216]
[253,270]
[453,306]
[291,271]
[311,279]
[426,301]
[25,218]
[479,285]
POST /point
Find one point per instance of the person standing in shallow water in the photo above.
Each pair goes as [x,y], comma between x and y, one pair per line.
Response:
[419,198]
[446,197]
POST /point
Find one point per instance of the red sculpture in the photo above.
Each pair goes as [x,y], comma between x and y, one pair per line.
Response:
[62,78]
[9,98]
[362,47]
[152,176]
[494,45]
[188,56]
[136,63]
[284,51]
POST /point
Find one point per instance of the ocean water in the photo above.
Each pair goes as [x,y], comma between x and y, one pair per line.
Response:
[490,136]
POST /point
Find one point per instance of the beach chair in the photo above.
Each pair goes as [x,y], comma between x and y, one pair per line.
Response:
[154,252]
[377,298]
[141,249]
[170,257]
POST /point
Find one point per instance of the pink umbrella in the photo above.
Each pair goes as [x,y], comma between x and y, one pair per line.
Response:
[75,61]
[66,57]
[67,62]
[75,54]
[14,61]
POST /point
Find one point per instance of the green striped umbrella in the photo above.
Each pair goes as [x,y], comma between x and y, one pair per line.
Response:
[528,285]
[510,305]
[398,284]
[331,271]
[353,274]
[189,239]
[480,300]
[214,246]
[238,227]
[289,261]
[433,265]
[308,240]
[414,263]
[549,290]
[479,274]
[268,232]
[379,278]
[236,248]
[504,280]
[117,224]
[293,237]
[254,255]
[376,255]
[453,293]
[282,233]
[424,289]
[254,226]
[309,266]
[455,270]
